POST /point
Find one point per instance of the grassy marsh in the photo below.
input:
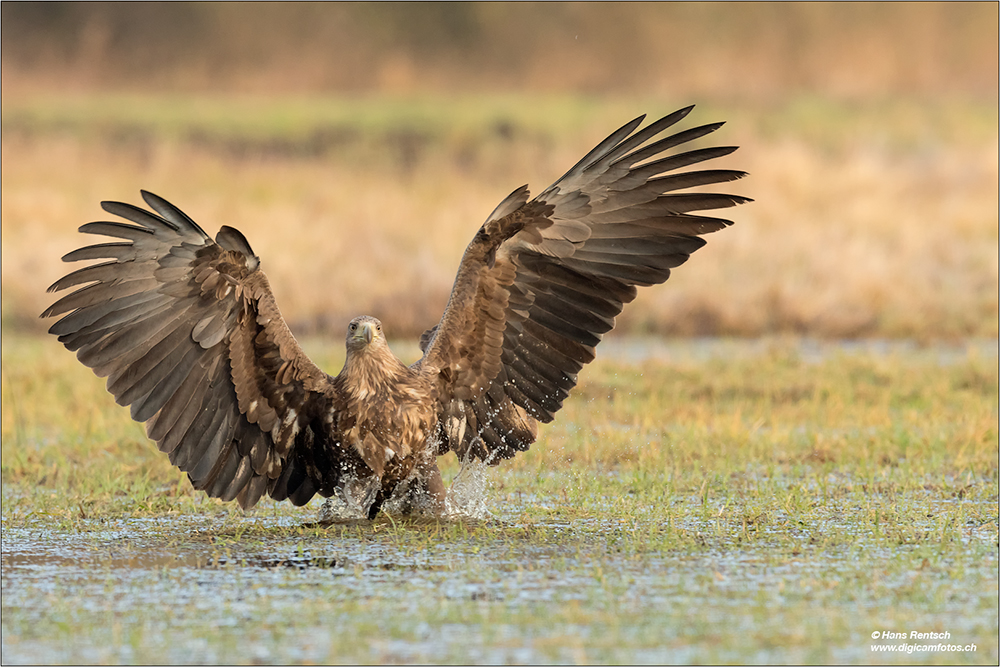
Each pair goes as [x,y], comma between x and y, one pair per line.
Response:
[768,500]
[772,502]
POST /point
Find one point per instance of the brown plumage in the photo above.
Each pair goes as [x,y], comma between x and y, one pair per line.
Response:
[187,332]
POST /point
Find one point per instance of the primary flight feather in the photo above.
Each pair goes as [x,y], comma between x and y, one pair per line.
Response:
[187,331]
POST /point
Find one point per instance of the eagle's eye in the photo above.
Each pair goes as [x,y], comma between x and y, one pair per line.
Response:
[354,327]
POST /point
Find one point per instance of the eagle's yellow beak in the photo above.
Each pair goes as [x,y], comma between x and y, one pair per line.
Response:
[365,330]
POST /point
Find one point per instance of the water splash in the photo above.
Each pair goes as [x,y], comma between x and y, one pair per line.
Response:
[351,501]
[467,495]
[466,498]
[335,509]
[409,499]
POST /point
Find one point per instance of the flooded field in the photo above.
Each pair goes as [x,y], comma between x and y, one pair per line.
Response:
[529,586]
[717,502]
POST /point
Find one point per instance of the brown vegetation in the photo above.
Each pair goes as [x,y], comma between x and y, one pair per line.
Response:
[870,132]
[728,50]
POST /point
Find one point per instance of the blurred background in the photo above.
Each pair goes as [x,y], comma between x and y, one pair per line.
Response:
[359,146]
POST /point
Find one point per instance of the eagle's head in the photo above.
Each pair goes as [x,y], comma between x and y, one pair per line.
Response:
[365,333]
[370,366]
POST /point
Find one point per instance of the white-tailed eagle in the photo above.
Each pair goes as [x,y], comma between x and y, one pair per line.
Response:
[187,331]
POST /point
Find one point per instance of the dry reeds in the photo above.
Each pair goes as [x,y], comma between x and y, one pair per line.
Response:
[885,225]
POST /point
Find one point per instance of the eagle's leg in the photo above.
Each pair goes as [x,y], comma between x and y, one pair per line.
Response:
[357,494]
[423,491]
[376,505]
[430,485]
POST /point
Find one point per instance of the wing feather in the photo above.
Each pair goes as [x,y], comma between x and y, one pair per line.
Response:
[561,267]
[171,373]
[230,475]
[188,334]
[98,293]
[215,440]
[190,393]
[117,251]
[665,144]
[640,175]
[139,379]
[253,490]
[199,433]
[117,230]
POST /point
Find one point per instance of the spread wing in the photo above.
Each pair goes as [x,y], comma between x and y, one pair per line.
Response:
[188,334]
[543,280]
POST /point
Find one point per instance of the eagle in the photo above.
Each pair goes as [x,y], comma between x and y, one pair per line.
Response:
[187,331]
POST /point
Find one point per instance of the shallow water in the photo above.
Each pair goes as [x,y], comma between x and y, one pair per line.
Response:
[147,589]
[524,577]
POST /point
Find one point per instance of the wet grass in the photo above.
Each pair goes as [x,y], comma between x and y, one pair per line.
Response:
[736,502]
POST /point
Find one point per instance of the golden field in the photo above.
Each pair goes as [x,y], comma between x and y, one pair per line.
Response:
[869,220]
[359,146]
